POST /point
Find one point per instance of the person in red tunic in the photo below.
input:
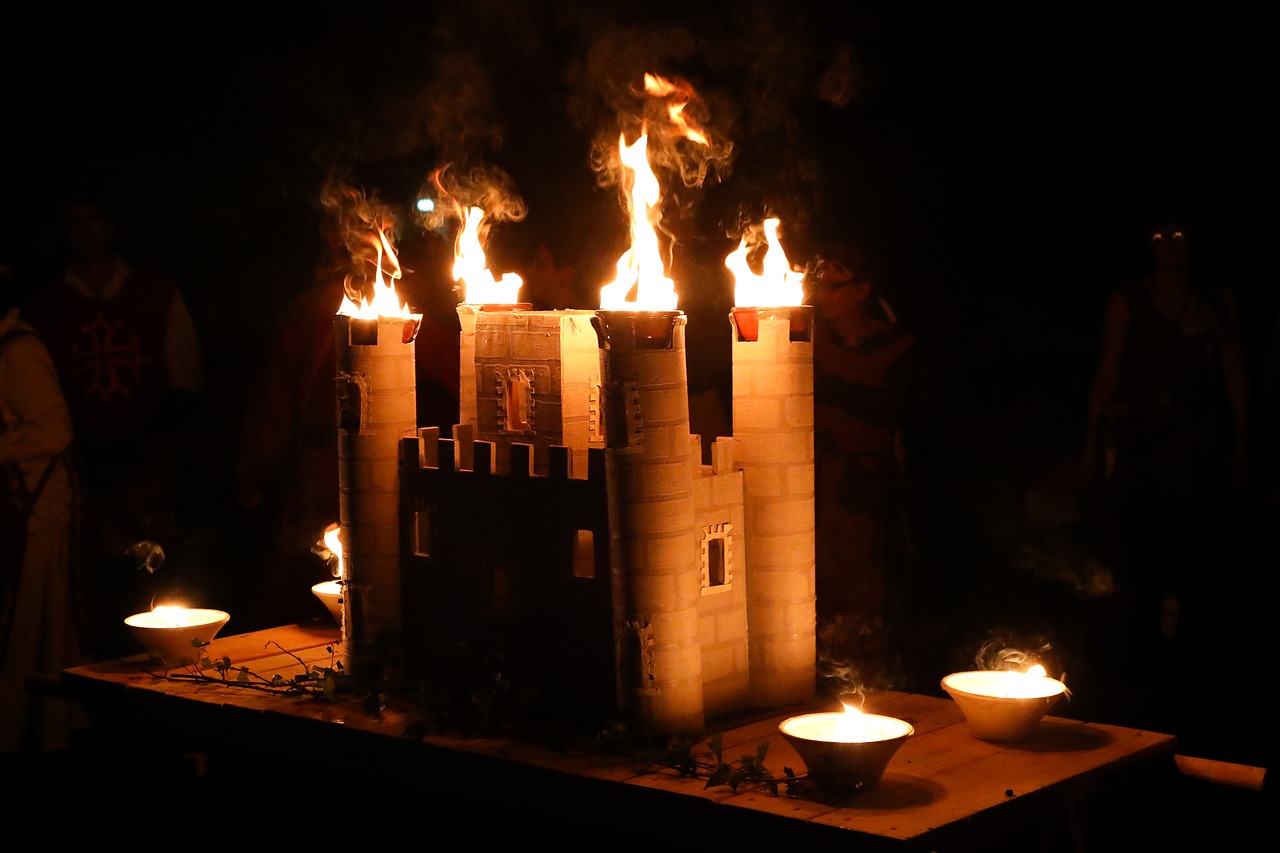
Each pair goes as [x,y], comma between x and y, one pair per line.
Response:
[866,371]
[129,362]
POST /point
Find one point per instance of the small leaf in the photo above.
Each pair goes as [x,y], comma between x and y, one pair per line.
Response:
[716,743]
[720,776]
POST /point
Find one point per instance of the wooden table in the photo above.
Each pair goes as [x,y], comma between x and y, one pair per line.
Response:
[943,790]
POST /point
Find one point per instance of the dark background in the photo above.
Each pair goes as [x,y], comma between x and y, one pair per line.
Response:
[1001,159]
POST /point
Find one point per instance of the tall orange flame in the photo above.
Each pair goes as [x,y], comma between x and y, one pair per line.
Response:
[640,270]
[641,282]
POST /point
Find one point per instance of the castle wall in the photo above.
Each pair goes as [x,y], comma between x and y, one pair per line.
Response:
[722,608]
[491,584]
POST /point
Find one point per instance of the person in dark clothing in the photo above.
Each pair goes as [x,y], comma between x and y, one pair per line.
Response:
[867,371]
[129,361]
[1166,450]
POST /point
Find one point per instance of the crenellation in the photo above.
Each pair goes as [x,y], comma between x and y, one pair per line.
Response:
[482,461]
[521,459]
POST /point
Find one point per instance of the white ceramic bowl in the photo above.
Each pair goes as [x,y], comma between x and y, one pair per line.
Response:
[840,761]
[170,638]
[1003,706]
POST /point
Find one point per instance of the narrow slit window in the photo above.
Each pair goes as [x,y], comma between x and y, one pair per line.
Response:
[715,562]
[422,533]
[584,554]
[716,571]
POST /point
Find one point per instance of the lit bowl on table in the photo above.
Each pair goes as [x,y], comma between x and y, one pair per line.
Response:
[1003,705]
[170,634]
[846,752]
[330,592]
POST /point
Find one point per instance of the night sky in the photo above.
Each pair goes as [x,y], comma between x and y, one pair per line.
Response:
[1002,162]
[1002,159]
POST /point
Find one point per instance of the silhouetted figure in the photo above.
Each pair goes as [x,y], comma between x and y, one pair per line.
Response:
[867,377]
[130,365]
[550,285]
[41,625]
[1167,441]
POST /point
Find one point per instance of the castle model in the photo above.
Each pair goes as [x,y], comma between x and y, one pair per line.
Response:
[570,527]
[569,534]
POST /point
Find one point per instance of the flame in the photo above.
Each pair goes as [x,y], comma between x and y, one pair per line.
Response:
[469,267]
[640,268]
[333,541]
[385,301]
[641,282]
[1037,671]
[777,285]
[172,615]
[662,87]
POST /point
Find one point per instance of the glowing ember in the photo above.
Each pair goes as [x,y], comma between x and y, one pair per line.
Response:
[777,285]
[469,267]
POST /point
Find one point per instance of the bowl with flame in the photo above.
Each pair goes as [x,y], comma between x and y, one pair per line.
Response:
[330,593]
[1003,705]
[174,635]
[846,752]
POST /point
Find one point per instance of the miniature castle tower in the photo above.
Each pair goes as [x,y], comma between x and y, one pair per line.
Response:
[773,432]
[653,536]
[377,407]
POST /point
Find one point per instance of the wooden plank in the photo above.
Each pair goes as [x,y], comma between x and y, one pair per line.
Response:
[942,782]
